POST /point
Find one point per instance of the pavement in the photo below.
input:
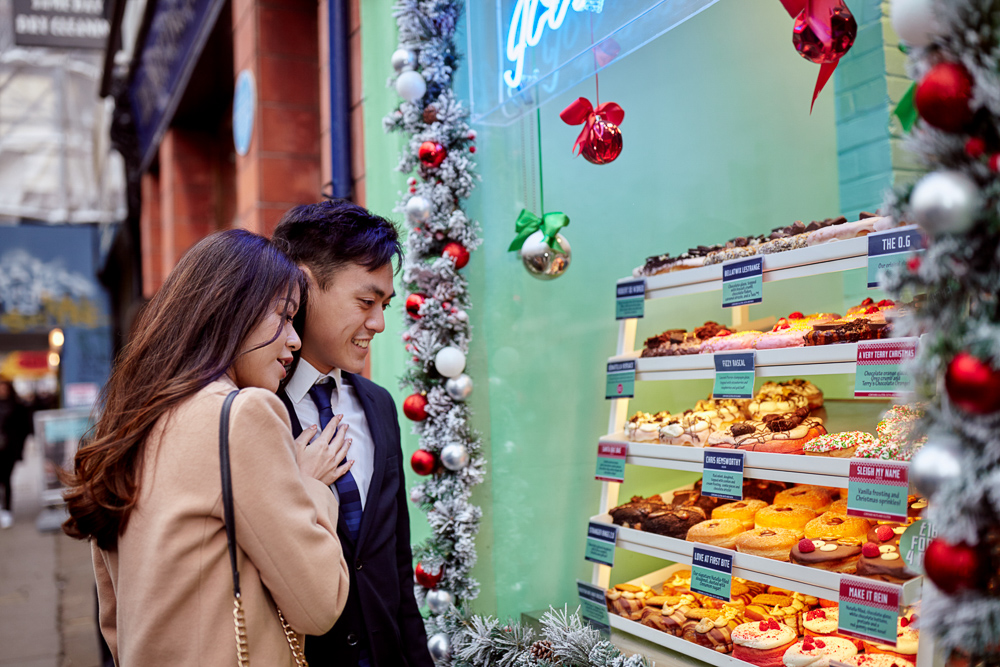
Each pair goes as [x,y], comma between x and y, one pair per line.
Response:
[47,598]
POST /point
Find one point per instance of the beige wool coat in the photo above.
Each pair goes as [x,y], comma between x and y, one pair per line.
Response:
[166,592]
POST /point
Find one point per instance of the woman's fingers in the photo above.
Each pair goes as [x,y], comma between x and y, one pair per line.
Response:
[341,471]
[330,431]
[307,434]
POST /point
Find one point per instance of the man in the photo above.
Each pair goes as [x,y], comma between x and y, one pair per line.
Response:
[346,253]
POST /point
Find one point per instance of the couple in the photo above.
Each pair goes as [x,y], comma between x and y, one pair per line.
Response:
[322,541]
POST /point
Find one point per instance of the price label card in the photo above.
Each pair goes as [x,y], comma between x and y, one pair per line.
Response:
[611,461]
[621,379]
[593,608]
[722,476]
[869,609]
[712,573]
[913,543]
[742,282]
[630,299]
[601,540]
[879,371]
[890,248]
[878,490]
[734,375]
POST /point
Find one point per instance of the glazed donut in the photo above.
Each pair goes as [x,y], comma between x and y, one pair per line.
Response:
[832,527]
[773,543]
[743,510]
[716,532]
[815,498]
[791,517]
[907,638]
[838,506]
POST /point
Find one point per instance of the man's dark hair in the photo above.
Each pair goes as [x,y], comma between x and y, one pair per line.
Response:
[332,233]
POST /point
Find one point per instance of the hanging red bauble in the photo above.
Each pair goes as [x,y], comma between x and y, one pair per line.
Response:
[432,154]
[953,567]
[973,384]
[423,462]
[944,95]
[600,140]
[425,578]
[413,303]
[824,31]
[415,407]
[457,252]
[604,143]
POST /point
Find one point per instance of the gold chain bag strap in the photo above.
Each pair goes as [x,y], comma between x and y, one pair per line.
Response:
[239,620]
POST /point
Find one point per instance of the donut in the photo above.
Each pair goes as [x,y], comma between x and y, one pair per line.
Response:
[726,341]
[644,427]
[916,506]
[635,511]
[831,526]
[672,616]
[786,609]
[743,510]
[762,489]
[775,400]
[777,433]
[627,600]
[894,435]
[882,560]
[839,506]
[762,643]
[712,628]
[812,652]
[876,660]
[824,622]
[678,584]
[835,556]
[815,498]
[773,543]
[791,517]
[673,521]
[716,532]
[907,638]
[783,335]
[838,445]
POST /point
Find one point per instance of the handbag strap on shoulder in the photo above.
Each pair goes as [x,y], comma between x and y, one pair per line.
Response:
[227,488]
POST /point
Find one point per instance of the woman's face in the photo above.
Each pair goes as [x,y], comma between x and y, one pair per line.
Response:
[266,366]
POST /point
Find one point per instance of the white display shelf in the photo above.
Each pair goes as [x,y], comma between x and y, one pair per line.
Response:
[790,576]
[812,261]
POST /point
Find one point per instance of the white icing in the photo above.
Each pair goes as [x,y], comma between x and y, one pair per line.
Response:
[835,649]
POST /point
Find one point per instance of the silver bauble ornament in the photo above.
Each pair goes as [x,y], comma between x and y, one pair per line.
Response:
[542,261]
[449,361]
[914,21]
[459,387]
[416,494]
[411,86]
[439,601]
[940,460]
[945,202]
[439,646]
[418,209]
[454,457]
[403,60]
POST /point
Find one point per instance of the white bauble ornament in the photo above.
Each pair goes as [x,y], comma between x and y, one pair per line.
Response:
[914,21]
[416,494]
[439,646]
[940,460]
[449,361]
[454,457]
[945,202]
[418,209]
[403,60]
[459,387]
[542,261]
[439,601]
[411,86]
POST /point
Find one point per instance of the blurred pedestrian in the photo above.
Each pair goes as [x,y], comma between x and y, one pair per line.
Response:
[15,425]
[147,492]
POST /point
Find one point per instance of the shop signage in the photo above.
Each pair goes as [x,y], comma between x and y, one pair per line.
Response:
[630,299]
[913,543]
[621,379]
[593,608]
[868,609]
[879,373]
[878,490]
[742,282]
[722,476]
[891,248]
[528,25]
[734,375]
[244,103]
[61,24]
[611,461]
[601,540]
[712,573]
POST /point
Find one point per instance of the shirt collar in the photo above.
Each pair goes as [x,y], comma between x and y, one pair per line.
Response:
[305,377]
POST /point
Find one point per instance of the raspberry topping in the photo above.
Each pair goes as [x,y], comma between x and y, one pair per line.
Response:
[904,621]
[884,533]
[870,550]
[773,624]
[763,626]
[820,643]
[814,614]
[871,310]
[886,302]
[868,301]
[806,546]
[796,316]
[723,332]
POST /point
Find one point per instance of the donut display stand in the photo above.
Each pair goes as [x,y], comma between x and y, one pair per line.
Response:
[841,415]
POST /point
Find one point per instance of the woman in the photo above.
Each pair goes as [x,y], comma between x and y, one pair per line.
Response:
[15,425]
[147,490]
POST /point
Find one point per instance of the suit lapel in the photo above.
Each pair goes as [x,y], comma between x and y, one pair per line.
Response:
[376,425]
[296,426]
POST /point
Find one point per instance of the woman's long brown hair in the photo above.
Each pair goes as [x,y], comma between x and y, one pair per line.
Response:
[187,336]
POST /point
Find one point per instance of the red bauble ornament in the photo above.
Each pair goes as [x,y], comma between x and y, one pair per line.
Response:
[953,567]
[423,462]
[824,31]
[415,407]
[975,147]
[913,263]
[995,163]
[413,303]
[943,96]
[457,252]
[425,578]
[603,143]
[432,154]
[973,385]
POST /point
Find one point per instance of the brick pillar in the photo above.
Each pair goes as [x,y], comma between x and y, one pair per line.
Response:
[279,43]
[188,197]
[150,233]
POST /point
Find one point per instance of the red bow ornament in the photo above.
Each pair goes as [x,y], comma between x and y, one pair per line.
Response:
[600,140]
[824,32]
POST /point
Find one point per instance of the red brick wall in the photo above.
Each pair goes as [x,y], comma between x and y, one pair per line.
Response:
[150,232]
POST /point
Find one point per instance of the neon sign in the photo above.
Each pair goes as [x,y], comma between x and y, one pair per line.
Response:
[528,24]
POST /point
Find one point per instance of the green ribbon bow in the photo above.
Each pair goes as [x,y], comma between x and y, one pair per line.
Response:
[528,223]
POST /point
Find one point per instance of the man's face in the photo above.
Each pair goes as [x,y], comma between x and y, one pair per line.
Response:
[342,319]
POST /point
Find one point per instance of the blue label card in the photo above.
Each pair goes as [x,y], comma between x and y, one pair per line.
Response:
[601,540]
[734,375]
[630,299]
[722,476]
[742,282]
[593,608]
[621,379]
[891,247]
[712,573]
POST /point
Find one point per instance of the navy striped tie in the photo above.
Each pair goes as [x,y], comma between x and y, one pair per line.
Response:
[347,487]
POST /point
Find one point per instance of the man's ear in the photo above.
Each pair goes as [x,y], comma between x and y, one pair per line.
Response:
[310,278]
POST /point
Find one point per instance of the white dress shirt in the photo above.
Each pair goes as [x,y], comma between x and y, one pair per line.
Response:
[344,401]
